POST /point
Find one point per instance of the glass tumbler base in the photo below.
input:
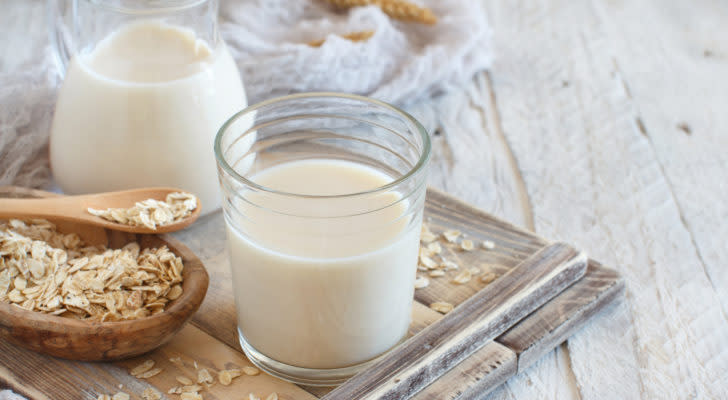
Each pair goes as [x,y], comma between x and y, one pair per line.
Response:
[299,375]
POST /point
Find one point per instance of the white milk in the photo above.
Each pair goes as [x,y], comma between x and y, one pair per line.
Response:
[142,109]
[323,293]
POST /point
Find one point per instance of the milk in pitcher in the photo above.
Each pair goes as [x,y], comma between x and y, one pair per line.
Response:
[142,109]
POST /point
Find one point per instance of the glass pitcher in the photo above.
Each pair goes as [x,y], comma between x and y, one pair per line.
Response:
[147,84]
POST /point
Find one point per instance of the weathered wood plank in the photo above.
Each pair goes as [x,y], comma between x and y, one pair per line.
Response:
[530,339]
[477,375]
[593,176]
[683,119]
[432,352]
[41,377]
[512,245]
[553,323]
[199,350]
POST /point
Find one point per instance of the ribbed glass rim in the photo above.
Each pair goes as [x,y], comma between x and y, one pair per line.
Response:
[151,7]
[421,162]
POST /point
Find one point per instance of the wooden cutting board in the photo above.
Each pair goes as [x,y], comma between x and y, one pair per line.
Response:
[210,340]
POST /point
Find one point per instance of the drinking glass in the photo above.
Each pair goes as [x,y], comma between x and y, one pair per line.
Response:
[323,282]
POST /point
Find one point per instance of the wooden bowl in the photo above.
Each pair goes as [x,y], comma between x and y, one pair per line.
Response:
[105,341]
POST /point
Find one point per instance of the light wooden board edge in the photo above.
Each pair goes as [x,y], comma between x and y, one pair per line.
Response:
[469,214]
[479,374]
[40,377]
[598,289]
[427,356]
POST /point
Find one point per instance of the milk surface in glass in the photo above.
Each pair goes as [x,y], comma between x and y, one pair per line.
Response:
[142,109]
[319,292]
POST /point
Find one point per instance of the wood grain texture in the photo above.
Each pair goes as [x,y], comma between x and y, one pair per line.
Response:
[556,320]
[444,212]
[595,156]
[40,377]
[105,341]
[432,352]
[199,350]
[476,376]
[683,119]
[490,366]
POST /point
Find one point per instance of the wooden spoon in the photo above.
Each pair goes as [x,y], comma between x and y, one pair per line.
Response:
[104,341]
[75,209]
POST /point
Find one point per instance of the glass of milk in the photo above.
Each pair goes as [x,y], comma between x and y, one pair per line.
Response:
[323,217]
[146,86]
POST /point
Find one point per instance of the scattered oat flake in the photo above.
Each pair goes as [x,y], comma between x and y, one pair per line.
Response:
[488,277]
[226,376]
[190,396]
[428,262]
[467,245]
[474,270]
[463,277]
[451,235]
[184,380]
[203,376]
[427,237]
[436,273]
[103,397]
[252,371]
[434,248]
[120,396]
[272,396]
[142,368]
[149,374]
[252,396]
[421,282]
[488,245]
[448,265]
[425,252]
[151,394]
[441,306]
[185,389]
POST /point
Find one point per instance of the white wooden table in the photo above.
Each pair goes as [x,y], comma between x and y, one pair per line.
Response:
[604,124]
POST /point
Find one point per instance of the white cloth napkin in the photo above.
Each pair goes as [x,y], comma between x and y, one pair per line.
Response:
[401,62]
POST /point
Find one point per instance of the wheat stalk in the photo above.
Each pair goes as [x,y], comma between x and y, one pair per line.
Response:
[397,9]
[359,36]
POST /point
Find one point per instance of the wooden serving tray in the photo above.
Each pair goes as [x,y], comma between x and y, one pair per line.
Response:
[210,339]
